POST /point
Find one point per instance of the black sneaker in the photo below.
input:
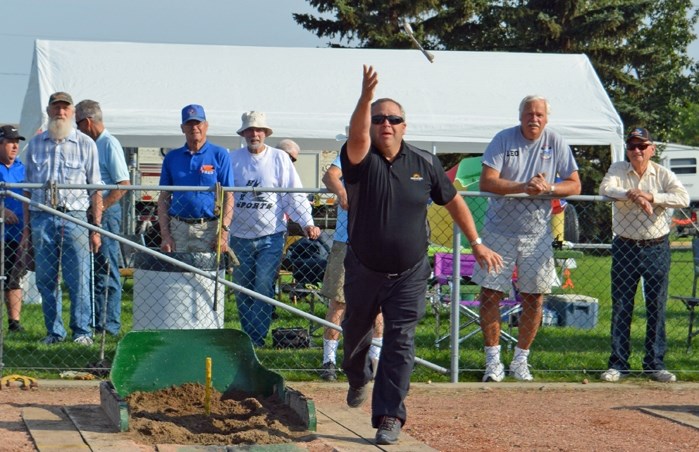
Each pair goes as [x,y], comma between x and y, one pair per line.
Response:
[329,372]
[15,327]
[357,396]
[51,339]
[388,431]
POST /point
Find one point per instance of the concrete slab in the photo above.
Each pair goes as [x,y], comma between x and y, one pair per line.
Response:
[348,430]
[687,415]
[52,430]
[98,431]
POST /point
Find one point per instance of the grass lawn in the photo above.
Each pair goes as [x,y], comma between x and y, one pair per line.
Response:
[559,352]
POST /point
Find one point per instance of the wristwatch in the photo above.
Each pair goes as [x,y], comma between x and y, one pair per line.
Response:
[225,227]
[478,241]
[552,189]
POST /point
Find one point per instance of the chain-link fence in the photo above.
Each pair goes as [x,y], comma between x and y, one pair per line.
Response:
[271,288]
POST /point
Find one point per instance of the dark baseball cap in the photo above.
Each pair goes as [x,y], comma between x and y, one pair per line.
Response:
[639,133]
[9,132]
[60,96]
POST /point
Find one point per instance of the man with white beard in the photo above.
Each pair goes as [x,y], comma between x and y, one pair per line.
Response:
[63,155]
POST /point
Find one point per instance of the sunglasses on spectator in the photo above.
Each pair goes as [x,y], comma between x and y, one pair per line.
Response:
[392,119]
[639,146]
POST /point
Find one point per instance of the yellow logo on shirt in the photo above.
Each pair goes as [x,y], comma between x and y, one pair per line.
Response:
[416,177]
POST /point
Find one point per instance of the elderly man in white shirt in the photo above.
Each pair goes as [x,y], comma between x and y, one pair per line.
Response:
[643,191]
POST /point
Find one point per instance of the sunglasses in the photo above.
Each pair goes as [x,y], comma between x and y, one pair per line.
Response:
[392,119]
[639,146]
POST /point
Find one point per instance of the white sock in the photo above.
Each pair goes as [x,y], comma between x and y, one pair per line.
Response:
[374,350]
[492,354]
[329,350]
[520,355]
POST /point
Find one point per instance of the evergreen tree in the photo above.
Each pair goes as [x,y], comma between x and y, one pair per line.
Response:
[638,47]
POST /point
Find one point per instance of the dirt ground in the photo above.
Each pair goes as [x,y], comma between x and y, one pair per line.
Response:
[174,416]
[470,416]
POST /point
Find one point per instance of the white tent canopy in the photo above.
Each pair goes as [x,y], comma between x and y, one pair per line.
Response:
[456,104]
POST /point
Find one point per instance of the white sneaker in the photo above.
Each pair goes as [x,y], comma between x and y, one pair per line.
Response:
[520,370]
[611,375]
[663,376]
[83,340]
[494,372]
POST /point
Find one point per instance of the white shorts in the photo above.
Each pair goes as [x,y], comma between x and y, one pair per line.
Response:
[531,256]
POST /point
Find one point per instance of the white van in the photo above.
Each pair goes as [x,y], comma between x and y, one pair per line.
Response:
[684,161]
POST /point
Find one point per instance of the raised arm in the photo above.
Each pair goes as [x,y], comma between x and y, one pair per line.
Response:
[359,140]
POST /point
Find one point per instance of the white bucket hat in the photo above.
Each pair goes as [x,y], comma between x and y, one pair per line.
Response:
[254,119]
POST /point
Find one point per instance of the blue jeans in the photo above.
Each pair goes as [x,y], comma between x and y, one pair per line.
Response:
[57,239]
[630,263]
[260,259]
[109,281]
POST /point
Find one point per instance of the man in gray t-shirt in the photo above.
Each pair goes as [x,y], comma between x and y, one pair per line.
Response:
[532,160]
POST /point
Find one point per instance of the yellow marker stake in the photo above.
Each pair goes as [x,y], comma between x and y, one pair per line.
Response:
[207,393]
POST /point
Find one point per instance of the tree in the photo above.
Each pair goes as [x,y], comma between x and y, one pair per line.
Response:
[688,129]
[364,23]
[638,47]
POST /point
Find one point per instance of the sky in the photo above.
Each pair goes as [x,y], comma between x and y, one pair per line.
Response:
[225,22]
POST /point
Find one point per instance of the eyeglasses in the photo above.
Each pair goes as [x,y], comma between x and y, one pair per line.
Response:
[639,146]
[392,119]
[77,123]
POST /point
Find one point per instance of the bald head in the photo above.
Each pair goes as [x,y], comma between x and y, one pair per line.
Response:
[291,148]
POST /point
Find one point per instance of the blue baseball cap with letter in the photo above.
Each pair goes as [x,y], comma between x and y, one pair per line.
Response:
[193,112]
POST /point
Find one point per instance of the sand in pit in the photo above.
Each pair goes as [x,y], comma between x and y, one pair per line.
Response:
[176,415]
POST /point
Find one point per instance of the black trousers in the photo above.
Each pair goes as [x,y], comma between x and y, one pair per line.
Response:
[402,301]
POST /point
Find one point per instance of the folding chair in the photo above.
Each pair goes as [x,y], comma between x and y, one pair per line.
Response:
[692,302]
[307,260]
[443,277]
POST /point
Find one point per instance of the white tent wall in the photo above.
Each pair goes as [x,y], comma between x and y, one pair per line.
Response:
[456,104]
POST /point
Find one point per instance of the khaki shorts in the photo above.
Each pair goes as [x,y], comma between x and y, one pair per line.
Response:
[15,265]
[334,278]
[533,257]
[193,238]
[198,238]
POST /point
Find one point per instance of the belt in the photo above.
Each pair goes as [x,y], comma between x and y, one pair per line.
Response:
[63,209]
[398,275]
[194,220]
[645,242]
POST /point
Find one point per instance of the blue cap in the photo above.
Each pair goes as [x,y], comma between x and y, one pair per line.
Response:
[193,112]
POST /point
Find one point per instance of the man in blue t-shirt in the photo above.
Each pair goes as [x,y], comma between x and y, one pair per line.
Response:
[188,219]
[12,171]
[113,169]
[524,159]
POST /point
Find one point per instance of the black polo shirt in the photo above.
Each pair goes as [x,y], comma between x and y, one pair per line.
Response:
[388,205]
